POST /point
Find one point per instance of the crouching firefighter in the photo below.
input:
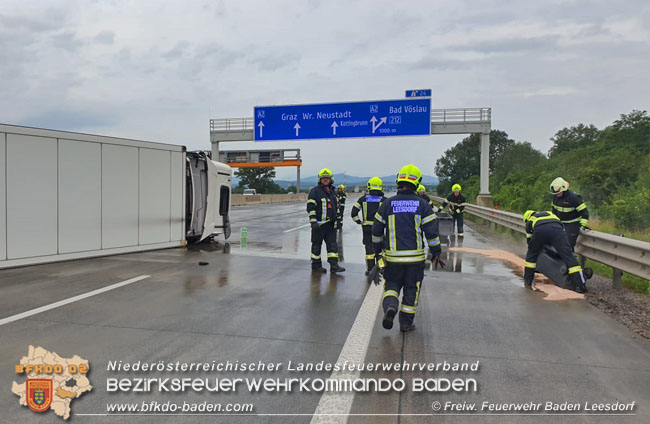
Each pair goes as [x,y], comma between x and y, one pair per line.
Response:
[367,206]
[397,239]
[544,228]
[322,210]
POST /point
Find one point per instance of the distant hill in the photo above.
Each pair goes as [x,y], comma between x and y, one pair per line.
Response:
[351,180]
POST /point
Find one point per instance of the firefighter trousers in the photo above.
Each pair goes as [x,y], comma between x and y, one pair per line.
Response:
[327,233]
[458,221]
[367,243]
[407,278]
[572,231]
[554,235]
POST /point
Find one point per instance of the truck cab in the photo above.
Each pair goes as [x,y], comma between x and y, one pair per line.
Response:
[208,186]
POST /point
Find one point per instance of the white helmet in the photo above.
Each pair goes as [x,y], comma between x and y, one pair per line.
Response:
[559,185]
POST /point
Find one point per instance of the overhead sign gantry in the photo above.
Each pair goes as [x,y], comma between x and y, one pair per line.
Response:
[381,118]
[302,122]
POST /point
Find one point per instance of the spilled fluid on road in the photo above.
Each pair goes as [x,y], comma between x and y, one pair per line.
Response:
[516,263]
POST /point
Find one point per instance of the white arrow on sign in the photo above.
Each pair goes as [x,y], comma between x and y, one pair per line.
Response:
[297,127]
[374,121]
[334,125]
[261,125]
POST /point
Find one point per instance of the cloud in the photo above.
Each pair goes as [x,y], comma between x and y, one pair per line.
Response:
[105,37]
[123,68]
[28,24]
[551,91]
[513,45]
[273,62]
[68,119]
[177,51]
[67,41]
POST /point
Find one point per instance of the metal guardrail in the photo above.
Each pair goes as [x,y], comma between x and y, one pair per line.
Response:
[232,124]
[479,115]
[620,253]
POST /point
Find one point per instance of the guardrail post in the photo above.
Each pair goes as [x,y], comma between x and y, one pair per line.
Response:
[618,274]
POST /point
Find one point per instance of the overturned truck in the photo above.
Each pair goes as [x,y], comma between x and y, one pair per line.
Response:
[66,195]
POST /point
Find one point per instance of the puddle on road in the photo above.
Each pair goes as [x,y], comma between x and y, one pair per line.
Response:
[516,264]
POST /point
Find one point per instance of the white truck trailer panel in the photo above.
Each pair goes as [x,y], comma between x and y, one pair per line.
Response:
[3,197]
[66,195]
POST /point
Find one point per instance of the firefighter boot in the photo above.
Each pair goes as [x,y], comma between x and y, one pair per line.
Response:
[577,282]
[407,328]
[530,285]
[389,315]
[335,267]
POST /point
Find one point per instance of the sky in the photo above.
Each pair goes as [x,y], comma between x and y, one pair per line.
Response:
[160,70]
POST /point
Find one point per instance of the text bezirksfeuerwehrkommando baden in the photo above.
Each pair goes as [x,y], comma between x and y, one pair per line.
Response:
[345,377]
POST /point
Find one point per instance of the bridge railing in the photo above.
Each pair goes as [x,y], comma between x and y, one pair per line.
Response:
[232,124]
[620,253]
[461,116]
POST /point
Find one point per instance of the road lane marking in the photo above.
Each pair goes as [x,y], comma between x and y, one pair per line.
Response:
[297,228]
[334,407]
[54,305]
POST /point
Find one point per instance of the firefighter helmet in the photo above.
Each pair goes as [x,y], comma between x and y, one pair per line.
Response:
[341,186]
[375,183]
[410,174]
[421,189]
[559,185]
[455,187]
[324,173]
[528,214]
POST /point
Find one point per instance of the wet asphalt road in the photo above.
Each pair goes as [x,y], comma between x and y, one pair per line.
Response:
[261,303]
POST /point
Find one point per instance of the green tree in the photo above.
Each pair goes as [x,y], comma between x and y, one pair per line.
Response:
[261,179]
[572,138]
[464,159]
[515,157]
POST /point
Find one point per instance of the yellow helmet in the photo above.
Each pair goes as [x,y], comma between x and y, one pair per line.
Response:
[410,174]
[324,173]
[559,185]
[455,187]
[421,189]
[528,214]
[341,186]
[375,183]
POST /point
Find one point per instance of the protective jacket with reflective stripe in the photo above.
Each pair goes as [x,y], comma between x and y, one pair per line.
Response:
[570,207]
[366,207]
[399,225]
[538,219]
[456,203]
[428,200]
[321,205]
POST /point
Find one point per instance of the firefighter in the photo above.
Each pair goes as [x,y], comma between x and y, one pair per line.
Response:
[422,192]
[456,202]
[397,240]
[569,207]
[544,228]
[368,206]
[322,212]
[340,199]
